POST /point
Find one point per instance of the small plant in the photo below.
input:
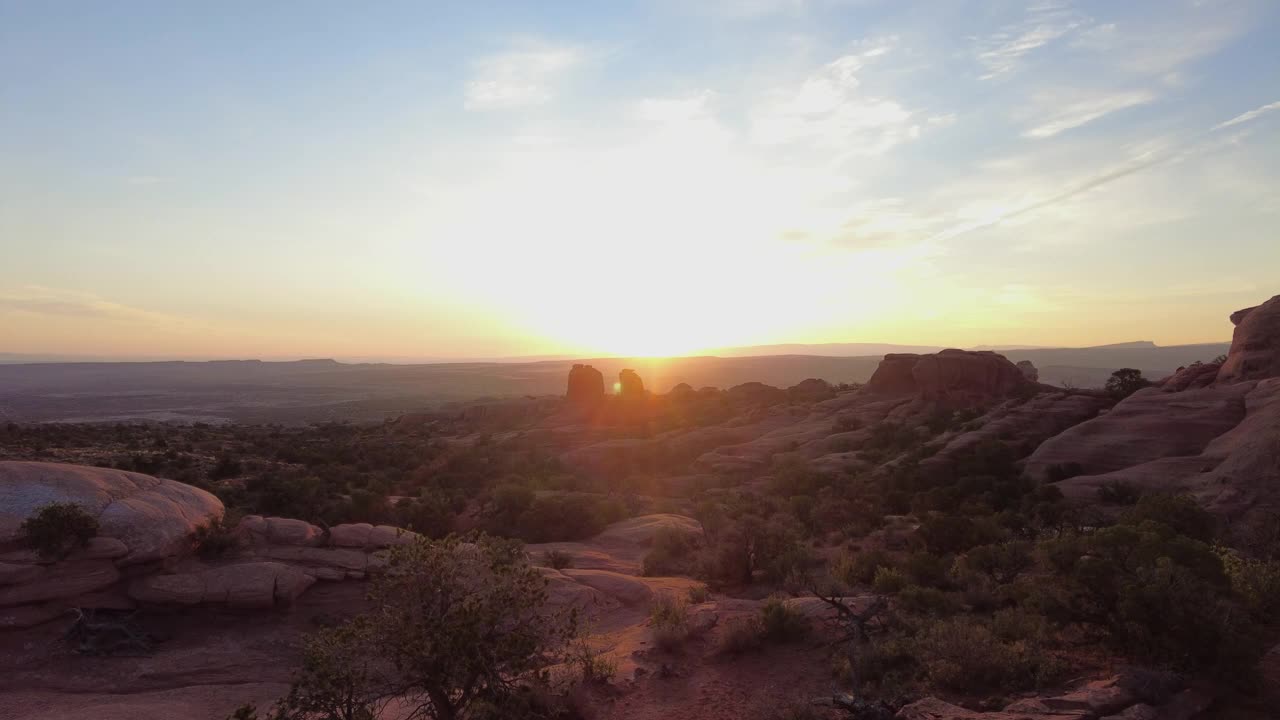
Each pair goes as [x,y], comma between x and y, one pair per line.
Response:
[699,594]
[215,539]
[669,618]
[58,529]
[592,665]
[672,553]
[557,559]
[782,623]
[888,581]
[741,634]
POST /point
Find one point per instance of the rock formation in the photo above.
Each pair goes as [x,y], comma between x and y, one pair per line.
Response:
[586,385]
[953,377]
[1210,434]
[1255,345]
[629,384]
[1029,370]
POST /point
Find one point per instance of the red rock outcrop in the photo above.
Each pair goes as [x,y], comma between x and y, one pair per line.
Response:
[586,385]
[1208,434]
[1255,345]
[953,377]
[629,384]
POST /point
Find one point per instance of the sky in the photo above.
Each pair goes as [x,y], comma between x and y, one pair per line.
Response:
[407,180]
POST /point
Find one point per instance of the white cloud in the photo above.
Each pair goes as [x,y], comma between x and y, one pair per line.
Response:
[519,78]
[1068,113]
[829,110]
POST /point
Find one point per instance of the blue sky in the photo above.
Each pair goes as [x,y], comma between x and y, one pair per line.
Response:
[472,179]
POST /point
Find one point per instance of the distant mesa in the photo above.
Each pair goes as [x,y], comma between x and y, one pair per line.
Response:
[955,377]
[629,384]
[586,385]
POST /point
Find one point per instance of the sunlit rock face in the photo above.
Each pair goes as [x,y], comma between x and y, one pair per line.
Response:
[1255,346]
[586,385]
[1029,370]
[630,385]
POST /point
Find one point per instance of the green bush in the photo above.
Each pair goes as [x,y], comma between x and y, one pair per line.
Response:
[859,568]
[699,594]
[782,623]
[926,601]
[1118,492]
[964,655]
[1125,382]
[57,529]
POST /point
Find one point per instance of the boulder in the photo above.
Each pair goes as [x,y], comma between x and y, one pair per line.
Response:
[249,585]
[1100,697]
[280,531]
[756,394]
[364,535]
[1255,344]
[1028,370]
[152,517]
[586,385]
[932,708]
[1191,377]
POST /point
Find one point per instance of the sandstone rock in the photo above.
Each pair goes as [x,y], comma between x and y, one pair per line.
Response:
[893,375]
[25,616]
[756,394]
[1145,426]
[13,573]
[1028,370]
[1192,377]
[364,535]
[1141,711]
[629,384]
[811,390]
[1255,345]
[586,385]
[932,708]
[345,559]
[153,517]
[626,589]
[953,377]
[62,580]
[102,548]
[1100,697]
[245,585]
[280,531]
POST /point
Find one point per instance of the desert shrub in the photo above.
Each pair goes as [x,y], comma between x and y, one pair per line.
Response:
[557,559]
[673,552]
[227,466]
[859,568]
[452,628]
[1125,382]
[782,623]
[1118,492]
[792,710]
[215,539]
[57,529]
[741,634]
[927,569]
[1058,472]
[699,594]
[964,655]
[587,662]
[950,534]
[926,601]
[1180,513]
[888,581]
[1003,562]
[669,619]
[1255,582]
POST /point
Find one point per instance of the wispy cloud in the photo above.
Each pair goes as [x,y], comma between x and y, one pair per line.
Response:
[67,303]
[1246,117]
[520,77]
[1069,114]
[1002,52]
